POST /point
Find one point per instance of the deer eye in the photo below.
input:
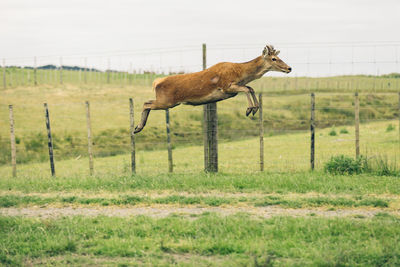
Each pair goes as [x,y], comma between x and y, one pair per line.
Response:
[273,59]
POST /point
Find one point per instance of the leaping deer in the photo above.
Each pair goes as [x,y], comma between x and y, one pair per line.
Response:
[221,81]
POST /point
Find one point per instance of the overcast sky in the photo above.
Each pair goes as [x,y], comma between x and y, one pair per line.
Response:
[76,27]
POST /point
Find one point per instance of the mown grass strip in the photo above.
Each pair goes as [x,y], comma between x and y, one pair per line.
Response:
[299,182]
[299,202]
[283,240]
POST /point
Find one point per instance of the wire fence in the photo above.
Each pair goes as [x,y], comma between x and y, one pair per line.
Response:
[334,71]
[286,135]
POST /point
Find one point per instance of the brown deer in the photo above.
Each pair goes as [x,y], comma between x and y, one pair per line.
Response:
[221,81]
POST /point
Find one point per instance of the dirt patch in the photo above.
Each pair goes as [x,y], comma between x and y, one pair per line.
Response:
[160,211]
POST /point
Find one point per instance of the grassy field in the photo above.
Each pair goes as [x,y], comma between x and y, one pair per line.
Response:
[285,111]
[315,218]
[284,152]
[209,240]
[368,237]
[285,216]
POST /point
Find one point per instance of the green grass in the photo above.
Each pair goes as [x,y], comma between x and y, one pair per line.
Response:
[300,182]
[11,200]
[286,110]
[282,153]
[208,240]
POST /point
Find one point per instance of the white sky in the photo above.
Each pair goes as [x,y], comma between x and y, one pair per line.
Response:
[102,29]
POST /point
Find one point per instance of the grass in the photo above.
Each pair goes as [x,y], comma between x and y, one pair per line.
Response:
[301,182]
[285,111]
[284,152]
[208,240]
[15,200]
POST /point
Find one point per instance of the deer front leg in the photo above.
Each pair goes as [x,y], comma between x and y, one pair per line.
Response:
[236,89]
[253,95]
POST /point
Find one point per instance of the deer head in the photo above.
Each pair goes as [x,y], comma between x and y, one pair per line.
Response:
[271,58]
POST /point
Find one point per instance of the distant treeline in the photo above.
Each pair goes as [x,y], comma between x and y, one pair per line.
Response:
[77,68]
[54,67]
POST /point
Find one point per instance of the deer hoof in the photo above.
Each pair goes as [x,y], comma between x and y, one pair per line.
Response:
[137,129]
[248,111]
[255,109]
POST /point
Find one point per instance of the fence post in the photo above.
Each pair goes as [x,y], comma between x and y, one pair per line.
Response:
[4,74]
[132,130]
[170,165]
[357,123]
[13,149]
[312,128]
[210,128]
[34,71]
[90,142]
[50,140]
[261,132]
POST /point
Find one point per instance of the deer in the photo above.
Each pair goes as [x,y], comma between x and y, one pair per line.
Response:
[216,83]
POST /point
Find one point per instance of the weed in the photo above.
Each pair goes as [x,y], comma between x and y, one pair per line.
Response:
[390,128]
[346,165]
[332,132]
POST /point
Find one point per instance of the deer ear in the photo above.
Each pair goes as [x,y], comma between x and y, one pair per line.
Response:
[265,51]
[277,52]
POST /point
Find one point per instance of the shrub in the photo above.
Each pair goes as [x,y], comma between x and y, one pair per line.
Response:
[332,132]
[346,165]
[344,131]
[390,128]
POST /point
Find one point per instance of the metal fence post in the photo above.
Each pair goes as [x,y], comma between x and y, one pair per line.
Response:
[132,134]
[170,163]
[50,140]
[357,123]
[312,128]
[261,133]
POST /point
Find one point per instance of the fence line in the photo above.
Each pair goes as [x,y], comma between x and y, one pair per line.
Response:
[313,123]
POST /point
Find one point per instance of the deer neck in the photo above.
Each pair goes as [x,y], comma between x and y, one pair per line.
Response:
[254,69]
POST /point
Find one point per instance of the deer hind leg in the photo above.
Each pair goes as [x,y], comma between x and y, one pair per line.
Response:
[256,104]
[147,107]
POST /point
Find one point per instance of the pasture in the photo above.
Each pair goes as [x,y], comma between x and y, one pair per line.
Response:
[284,216]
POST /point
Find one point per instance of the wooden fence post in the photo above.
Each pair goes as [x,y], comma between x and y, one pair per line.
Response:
[132,133]
[90,142]
[13,148]
[34,71]
[50,140]
[4,74]
[170,164]
[312,128]
[261,132]
[357,123]
[210,128]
